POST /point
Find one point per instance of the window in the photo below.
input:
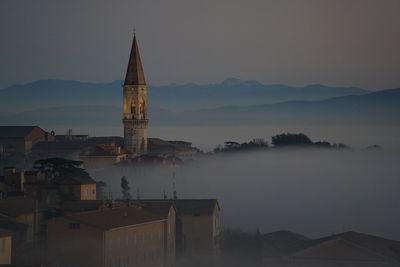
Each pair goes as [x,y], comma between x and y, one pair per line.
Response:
[74,226]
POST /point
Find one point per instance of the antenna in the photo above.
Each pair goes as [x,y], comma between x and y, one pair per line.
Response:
[165,195]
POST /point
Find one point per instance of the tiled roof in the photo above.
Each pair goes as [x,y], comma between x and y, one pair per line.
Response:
[283,242]
[114,218]
[349,247]
[15,206]
[15,131]
[190,206]
[161,207]
[4,233]
[81,205]
[73,180]
[386,247]
[9,224]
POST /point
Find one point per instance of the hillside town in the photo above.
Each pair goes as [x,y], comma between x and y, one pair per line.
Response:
[53,213]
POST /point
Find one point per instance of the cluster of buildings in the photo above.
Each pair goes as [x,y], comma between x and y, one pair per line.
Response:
[39,225]
[52,218]
[22,145]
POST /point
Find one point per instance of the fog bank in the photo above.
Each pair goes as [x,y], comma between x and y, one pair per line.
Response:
[314,192]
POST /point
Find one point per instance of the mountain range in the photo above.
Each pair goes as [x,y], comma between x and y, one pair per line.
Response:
[99,104]
[56,93]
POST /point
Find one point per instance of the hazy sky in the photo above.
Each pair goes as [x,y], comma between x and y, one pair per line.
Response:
[297,42]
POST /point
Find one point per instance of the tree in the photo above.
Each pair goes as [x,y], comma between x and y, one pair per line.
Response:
[56,167]
[125,188]
[289,139]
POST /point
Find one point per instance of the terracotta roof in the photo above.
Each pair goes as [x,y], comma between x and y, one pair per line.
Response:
[17,265]
[81,205]
[73,180]
[161,207]
[104,150]
[15,131]
[114,218]
[4,233]
[282,242]
[134,73]
[385,247]
[348,247]
[10,224]
[15,206]
[189,206]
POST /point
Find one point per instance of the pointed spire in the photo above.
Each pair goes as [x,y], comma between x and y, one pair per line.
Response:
[134,73]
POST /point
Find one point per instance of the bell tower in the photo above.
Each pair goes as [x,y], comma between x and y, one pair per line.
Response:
[135,104]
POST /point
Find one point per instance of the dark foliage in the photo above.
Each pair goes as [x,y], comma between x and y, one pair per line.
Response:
[56,167]
[125,188]
[231,146]
[291,140]
[302,140]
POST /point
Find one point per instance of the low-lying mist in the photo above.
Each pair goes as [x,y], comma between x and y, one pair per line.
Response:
[310,191]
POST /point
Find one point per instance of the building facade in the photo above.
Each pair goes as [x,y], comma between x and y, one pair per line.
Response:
[135,105]
[197,225]
[5,246]
[126,236]
[22,210]
[19,140]
[200,226]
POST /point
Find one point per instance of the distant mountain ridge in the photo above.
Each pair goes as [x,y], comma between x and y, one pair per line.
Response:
[377,108]
[53,93]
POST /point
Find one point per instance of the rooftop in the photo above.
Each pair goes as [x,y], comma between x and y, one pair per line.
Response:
[189,206]
[109,219]
[4,233]
[73,180]
[351,247]
[15,131]
[15,206]
[161,208]
[81,205]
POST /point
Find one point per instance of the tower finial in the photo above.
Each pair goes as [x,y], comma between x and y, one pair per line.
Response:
[134,31]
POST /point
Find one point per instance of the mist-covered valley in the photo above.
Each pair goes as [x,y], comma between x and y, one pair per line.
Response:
[315,192]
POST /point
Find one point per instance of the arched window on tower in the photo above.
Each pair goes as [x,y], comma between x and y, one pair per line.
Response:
[142,109]
[133,110]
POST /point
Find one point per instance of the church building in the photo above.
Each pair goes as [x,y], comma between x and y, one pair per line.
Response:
[135,104]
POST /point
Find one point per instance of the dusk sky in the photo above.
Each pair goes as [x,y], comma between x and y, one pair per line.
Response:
[333,42]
